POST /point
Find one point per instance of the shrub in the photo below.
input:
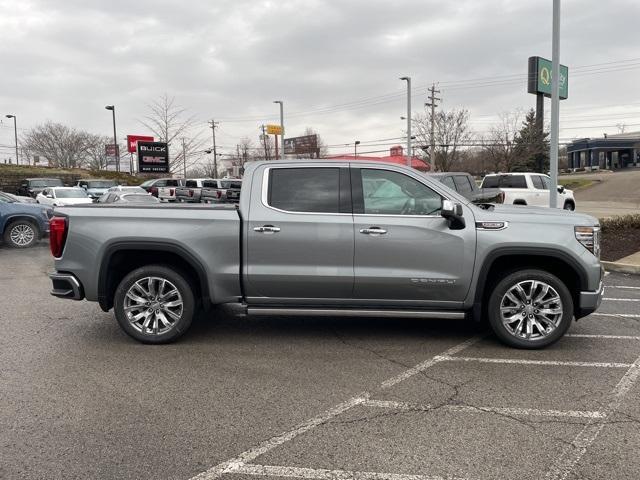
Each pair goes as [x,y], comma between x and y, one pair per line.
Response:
[623,222]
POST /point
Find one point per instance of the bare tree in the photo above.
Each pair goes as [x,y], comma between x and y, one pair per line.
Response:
[171,123]
[451,134]
[96,155]
[500,144]
[63,146]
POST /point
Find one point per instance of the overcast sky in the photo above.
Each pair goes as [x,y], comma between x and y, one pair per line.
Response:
[335,64]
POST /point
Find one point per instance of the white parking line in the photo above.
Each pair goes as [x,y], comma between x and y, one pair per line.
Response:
[612,337]
[622,299]
[534,362]
[473,409]
[323,474]
[583,440]
[627,287]
[242,460]
[617,315]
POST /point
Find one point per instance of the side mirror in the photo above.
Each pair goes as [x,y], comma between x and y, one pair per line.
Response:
[560,188]
[453,213]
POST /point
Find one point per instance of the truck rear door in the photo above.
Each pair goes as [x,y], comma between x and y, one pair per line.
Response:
[300,238]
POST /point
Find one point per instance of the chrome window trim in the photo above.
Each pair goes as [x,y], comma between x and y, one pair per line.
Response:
[265,188]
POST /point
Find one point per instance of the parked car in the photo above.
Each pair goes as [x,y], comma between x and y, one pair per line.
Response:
[528,189]
[126,197]
[17,198]
[338,239]
[191,190]
[163,188]
[122,189]
[95,188]
[221,191]
[58,196]
[465,185]
[22,224]
[31,187]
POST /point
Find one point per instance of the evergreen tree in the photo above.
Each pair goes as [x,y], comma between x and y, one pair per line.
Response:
[532,146]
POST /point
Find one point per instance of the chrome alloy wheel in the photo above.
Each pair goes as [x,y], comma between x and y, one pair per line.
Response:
[22,234]
[153,305]
[531,310]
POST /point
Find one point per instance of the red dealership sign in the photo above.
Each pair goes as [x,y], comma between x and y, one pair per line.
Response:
[132,141]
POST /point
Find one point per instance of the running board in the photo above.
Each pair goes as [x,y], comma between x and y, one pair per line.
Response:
[349,312]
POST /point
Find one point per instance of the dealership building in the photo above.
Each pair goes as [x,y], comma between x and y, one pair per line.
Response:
[610,152]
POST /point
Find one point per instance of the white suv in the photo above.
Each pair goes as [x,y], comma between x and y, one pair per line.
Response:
[528,189]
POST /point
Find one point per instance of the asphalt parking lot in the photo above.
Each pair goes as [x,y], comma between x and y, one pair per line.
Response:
[313,398]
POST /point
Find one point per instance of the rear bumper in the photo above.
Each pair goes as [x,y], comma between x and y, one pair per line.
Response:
[590,301]
[66,285]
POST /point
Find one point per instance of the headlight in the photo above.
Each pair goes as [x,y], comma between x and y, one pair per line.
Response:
[590,238]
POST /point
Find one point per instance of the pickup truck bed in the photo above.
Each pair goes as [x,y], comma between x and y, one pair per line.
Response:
[332,238]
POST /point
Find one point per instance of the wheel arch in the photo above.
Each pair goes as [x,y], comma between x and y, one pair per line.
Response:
[502,260]
[22,216]
[121,258]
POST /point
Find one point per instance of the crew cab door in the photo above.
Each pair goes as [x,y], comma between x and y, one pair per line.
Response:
[299,235]
[404,250]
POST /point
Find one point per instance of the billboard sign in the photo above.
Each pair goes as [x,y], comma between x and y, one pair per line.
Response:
[274,129]
[540,78]
[153,157]
[111,150]
[132,142]
[305,145]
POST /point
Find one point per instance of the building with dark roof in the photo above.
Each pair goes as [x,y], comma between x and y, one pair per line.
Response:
[610,152]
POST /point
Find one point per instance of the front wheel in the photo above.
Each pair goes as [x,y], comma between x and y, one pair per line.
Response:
[530,309]
[154,304]
[21,234]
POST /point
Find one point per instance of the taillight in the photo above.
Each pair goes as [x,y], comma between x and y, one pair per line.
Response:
[57,235]
[172,192]
[218,194]
[190,193]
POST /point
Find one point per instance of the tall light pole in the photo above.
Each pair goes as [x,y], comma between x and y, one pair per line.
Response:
[115,137]
[281,127]
[355,148]
[408,80]
[555,104]
[15,132]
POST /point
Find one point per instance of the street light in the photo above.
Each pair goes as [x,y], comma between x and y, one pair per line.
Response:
[408,80]
[355,148]
[15,132]
[115,138]
[281,126]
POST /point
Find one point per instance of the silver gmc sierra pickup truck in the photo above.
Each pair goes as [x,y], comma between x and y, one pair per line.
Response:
[333,238]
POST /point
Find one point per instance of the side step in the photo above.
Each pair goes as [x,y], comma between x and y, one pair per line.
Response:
[350,312]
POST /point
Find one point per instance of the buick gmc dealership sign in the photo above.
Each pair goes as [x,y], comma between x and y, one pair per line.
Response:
[153,157]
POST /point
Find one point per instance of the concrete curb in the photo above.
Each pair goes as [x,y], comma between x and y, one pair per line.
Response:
[621,267]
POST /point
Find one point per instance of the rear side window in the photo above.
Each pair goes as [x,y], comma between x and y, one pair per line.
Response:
[160,183]
[513,181]
[537,182]
[314,190]
[490,182]
[172,183]
[462,184]
[210,184]
[191,184]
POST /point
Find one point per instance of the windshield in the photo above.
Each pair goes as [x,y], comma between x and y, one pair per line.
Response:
[6,198]
[130,190]
[227,184]
[135,198]
[47,182]
[101,184]
[71,193]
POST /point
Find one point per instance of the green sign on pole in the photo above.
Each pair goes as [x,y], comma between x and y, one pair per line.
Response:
[540,78]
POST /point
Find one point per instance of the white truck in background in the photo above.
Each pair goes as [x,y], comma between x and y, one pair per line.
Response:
[528,189]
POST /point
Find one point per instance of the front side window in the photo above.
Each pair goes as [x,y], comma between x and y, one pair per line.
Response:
[448,181]
[391,193]
[537,182]
[315,190]
[463,185]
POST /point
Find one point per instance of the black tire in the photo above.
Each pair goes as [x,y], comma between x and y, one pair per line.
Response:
[562,321]
[21,234]
[569,206]
[172,277]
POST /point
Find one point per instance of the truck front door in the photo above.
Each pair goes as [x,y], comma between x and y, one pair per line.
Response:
[299,235]
[404,250]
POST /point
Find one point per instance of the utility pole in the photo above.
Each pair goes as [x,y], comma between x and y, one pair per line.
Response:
[432,103]
[184,158]
[408,80]
[264,142]
[555,104]
[215,153]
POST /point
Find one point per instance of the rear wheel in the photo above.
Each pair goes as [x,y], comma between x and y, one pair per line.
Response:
[154,304]
[530,309]
[569,206]
[21,234]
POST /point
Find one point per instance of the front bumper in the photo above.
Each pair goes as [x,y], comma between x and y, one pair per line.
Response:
[589,301]
[66,285]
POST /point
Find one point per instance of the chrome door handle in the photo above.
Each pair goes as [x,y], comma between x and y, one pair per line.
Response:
[267,229]
[373,231]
